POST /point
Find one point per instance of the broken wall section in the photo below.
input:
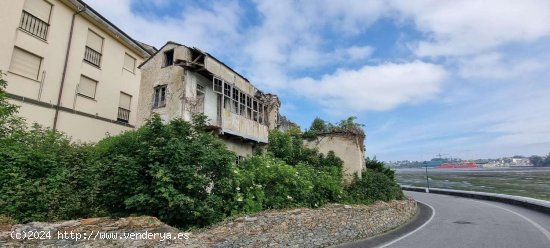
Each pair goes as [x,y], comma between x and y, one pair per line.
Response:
[348,146]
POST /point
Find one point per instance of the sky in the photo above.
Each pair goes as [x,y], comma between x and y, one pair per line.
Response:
[464,78]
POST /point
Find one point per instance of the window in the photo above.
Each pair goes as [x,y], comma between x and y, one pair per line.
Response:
[235,97]
[242,105]
[25,64]
[199,105]
[124,107]
[239,159]
[35,18]
[248,107]
[87,87]
[169,58]
[217,85]
[129,63]
[94,48]
[227,96]
[159,100]
[254,110]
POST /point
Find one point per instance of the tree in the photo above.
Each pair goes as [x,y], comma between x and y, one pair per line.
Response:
[547,160]
[318,125]
[536,160]
[8,120]
[178,172]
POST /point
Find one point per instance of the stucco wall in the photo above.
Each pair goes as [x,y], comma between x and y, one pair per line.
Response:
[111,77]
[153,73]
[240,148]
[347,147]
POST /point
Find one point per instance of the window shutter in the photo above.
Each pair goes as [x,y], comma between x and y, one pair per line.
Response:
[94,41]
[25,64]
[125,101]
[129,62]
[87,87]
[39,8]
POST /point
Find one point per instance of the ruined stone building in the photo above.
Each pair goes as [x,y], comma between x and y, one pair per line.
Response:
[178,81]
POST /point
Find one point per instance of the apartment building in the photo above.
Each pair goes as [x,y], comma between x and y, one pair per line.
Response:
[178,81]
[70,68]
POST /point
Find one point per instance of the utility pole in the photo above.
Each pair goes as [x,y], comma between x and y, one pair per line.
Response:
[427,180]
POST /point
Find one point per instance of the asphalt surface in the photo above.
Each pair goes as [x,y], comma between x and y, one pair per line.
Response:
[463,222]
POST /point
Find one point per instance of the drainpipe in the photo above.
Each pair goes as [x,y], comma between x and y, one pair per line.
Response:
[65,67]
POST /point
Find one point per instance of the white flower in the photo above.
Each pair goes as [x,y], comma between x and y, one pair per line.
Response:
[238,188]
[240,199]
[289,197]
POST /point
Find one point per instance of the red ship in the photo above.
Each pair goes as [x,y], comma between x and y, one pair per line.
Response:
[466,165]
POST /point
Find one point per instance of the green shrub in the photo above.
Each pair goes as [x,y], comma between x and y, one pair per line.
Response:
[371,187]
[45,177]
[379,166]
[177,172]
[265,182]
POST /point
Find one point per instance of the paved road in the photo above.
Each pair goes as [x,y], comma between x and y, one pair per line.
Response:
[462,222]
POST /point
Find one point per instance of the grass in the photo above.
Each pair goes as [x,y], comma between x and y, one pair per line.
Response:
[533,182]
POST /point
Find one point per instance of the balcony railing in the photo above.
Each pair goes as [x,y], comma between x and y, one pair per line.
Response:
[34,26]
[92,56]
[123,115]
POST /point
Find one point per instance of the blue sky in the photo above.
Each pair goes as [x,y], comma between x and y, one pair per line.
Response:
[466,78]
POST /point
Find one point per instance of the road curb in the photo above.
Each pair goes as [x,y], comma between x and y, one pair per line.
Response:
[526,202]
[423,214]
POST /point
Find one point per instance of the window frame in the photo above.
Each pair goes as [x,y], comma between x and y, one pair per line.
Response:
[33,54]
[160,91]
[84,95]
[46,23]
[124,63]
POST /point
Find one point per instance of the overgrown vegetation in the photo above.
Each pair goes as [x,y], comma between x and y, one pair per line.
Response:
[320,126]
[178,172]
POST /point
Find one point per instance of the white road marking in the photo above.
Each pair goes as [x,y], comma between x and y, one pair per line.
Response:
[409,234]
[539,227]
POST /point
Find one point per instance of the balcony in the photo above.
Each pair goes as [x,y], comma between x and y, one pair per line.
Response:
[92,56]
[34,26]
[123,115]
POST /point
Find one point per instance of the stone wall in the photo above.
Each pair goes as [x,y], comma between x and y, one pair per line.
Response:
[322,227]
[347,146]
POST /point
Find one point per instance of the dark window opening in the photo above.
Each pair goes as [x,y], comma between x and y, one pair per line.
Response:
[169,58]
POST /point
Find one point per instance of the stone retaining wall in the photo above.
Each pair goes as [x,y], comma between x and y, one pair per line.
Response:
[326,226]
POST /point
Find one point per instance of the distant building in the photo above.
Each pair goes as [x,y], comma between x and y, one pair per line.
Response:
[178,81]
[69,68]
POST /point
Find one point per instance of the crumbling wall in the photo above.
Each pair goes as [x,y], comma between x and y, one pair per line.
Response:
[154,73]
[347,146]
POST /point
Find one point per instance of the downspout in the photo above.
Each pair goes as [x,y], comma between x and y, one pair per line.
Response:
[65,67]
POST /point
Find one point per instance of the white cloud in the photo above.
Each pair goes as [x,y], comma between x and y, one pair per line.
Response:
[379,87]
[210,29]
[465,27]
[493,65]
